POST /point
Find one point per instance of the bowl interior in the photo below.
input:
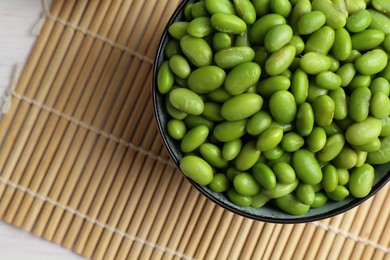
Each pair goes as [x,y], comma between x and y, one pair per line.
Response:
[267,213]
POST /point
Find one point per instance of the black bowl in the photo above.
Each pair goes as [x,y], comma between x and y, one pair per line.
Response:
[267,213]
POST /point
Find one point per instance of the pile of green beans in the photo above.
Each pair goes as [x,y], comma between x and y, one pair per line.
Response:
[280,101]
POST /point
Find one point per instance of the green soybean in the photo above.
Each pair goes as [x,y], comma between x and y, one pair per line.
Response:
[340,100]
[197,50]
[305,119]
[306,167]
[381,6]
[379,21]
[213,155]
[284,173]
[300,86]
[354,6]
[382,155]
[228,23]
[196,169]
[330,178]
[346,159]
[248,156]
[165,78]
[242,77]
[274,153]
[178,29]
[194,138]
[238,199]
[241,106]
[290,204]
[372,146]
[258,123]
[280,60]
[229,58]
[200,27]
[367,39]
[264,175]
[311,22]
[371,62]
[179,66]
[262,7]
[282,7]
[230,150]
[361,158]
[346,72]
[285,113]
[245,10]
[305,193]
[292,142]
[172,48]
[260,28]
[192,121]
[267,87]
[335,18]
[187,11]
[206,79]
[317,139]
[280,190]
[245,184]
[186,101]
[321,41]
[229,130]
[385,127]
[220,183]
[298,43]
[359,104]
[300,8]
[361,181]
[269,139]
[333,146]
[320,199]
[380,84]
[277,37]
[339,194]
[176,129]
[323,109]
[259,200]
[358,21]
[328,80]
[380,105]
[199,9]
[314,63]
[212,111]
[221,41]
[342,48]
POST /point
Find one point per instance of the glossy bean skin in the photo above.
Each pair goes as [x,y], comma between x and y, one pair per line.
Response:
[385,127]
[228,23]
[245,184]
[245,10]
[186,101]
[380,84]
[223,6]
[285,113]
[196,169]
[380,105]
[199,9]
[277,37]
[340,100]
[242,77]
[274,154]
[335,18]
[228,58]
[192,121]
[270,85]
[382,155]
[176,129]
[371,62]
[300,86]
[280,190]
[323,109]
[284,173]
[300,8]
[194,138]
[221,41]
[280,60]
[372,146]
[212,111]
[321,41]
[241,106]
[306,167]
[311,22]
[228,131]
[379,21]
[178,29]
[359,104]
[290,204]
[220,183]
[206,79]
[367,39]
[305,119]
[346,72]
[260,28]
[179,66]
[269,139]
[292,142]
[247,157]
[259,200]
[361,181]
[200,27]
[317,139]
[314,63]
[354,6]
[305,193]
[264,175]
[197,50]
[258,123]
[358,21]
[346,159]
[342,48]
[361,158]
[213,155]
[328,80]
[165,78]
[339,194]
[330,178]
[282,7]
[334,145]
[381,6]
[238,199]
[174,112]
[230,150]
[320,199]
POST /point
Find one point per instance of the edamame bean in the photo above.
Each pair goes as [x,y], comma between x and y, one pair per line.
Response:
[300,8]
[258,123]
[197,50]
[280,190]
[335,18]
[359,104]
[343,176]
[213,155]
[367,39]
[219,95]
[229,130]
[333,128]
[196,169]
[372,146]
[346,72]
[361,158]
[385,127]
[178,29]
[359,21]
[238,199]
[328,80]
[264,176]
[380,105]
[176,129]
[320,199]
[179,66]
[317,139]
[380,84]
[342,47]
[298,43]
[212,111]
[314,63]
[206,79]
[339,194]
[192,121]
[321,41]
[354,55]
[230,150]
[187,11]
[220,183]
[221,41]
[194,138]
[242,77]
[269,139]
[245,10]
[371,62]
[259,29]
[306,167]
[284,173]
[200,27]
[259,200]
[340,100]
[305,119]
[280,60]
[277,37]
[270,85]
[315,91]
[330,178]
[346,159]
[248,156]
[241,106]
[292,142]
[245,184]
[379,21]
[282,7]
[165,78]
[333,146]
[274,153]
[172,111]
[361,180]
[382,155]
[381,6]
[323,109]
[242,40]
[285,113]
[186,101]
[262,7]
[354,6]
[363,132]
[359,81]
[311,22]
[290,204]
[172,48]
[305,193]
[229,58]
[220,6]
[199,9]
[300,86]
[228,23]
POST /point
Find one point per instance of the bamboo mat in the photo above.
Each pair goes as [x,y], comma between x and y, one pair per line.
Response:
[82,164]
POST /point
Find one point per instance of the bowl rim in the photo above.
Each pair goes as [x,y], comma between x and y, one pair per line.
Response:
[215,197]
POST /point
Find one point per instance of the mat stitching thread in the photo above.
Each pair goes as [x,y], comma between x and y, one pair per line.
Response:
[93,129]
[92,220]
[48,15]
[353,237]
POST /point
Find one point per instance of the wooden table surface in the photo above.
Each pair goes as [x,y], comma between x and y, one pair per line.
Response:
[17,19]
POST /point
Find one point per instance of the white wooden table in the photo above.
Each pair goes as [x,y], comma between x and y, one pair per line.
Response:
[17,19]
